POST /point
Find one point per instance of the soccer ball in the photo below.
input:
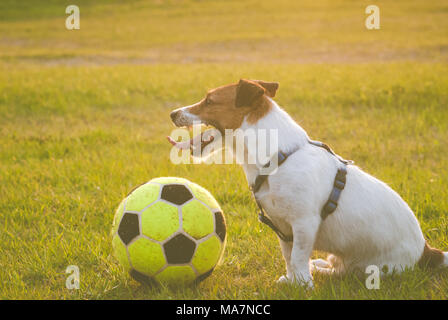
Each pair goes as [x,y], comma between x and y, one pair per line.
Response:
[169,230]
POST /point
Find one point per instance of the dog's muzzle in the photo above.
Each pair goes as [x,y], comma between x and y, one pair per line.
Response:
[174,115]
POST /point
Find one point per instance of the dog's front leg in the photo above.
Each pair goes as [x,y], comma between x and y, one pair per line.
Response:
[304,232]
[286,251]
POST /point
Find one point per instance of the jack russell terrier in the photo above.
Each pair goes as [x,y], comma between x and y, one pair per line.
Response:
[315,200]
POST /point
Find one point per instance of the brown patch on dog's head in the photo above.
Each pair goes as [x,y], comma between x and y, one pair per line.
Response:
[226,107]
[248,93]
[270,87]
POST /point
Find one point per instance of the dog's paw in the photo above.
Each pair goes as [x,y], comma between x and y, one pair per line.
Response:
[295,281]
[321,263]
[321,266]
[326,271]
[305,283]
[283,279]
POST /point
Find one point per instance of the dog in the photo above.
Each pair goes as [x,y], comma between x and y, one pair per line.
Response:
[372,224]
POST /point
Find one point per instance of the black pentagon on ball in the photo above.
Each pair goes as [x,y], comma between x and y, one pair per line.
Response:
[220,225]
[179,249]
[128,228]
[176,193]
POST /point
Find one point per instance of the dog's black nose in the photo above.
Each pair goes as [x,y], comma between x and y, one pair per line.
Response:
[173,115]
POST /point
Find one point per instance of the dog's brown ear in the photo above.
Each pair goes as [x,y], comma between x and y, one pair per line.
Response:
[247,93]
[270,87]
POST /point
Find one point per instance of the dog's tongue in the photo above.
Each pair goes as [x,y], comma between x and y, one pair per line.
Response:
[195,141]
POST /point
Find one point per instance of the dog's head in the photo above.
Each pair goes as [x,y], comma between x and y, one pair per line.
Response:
[226,107]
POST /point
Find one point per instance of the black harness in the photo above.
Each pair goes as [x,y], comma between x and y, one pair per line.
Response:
[329,207]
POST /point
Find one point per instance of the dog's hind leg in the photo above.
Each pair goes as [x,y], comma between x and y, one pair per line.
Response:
[336,263]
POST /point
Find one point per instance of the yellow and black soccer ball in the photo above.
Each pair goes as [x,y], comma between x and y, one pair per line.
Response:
[169,230]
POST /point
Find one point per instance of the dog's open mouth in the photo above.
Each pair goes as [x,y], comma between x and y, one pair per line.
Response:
[201,140]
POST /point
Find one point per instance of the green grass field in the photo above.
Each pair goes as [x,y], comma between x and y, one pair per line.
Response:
[84,115]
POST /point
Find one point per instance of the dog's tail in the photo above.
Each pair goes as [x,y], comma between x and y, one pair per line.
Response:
[433,258]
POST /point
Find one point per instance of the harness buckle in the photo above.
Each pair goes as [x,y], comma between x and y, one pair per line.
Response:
[339,184]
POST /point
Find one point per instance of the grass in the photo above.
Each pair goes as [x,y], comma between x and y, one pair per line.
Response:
[84,115]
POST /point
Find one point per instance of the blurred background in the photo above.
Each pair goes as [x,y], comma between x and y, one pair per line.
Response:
[191,31]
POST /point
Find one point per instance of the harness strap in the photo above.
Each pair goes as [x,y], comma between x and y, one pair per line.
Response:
[261,178]
[327,147]
[338,186]
[329,207]
[264,219]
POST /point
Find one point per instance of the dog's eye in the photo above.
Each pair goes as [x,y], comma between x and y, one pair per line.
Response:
[208,101]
